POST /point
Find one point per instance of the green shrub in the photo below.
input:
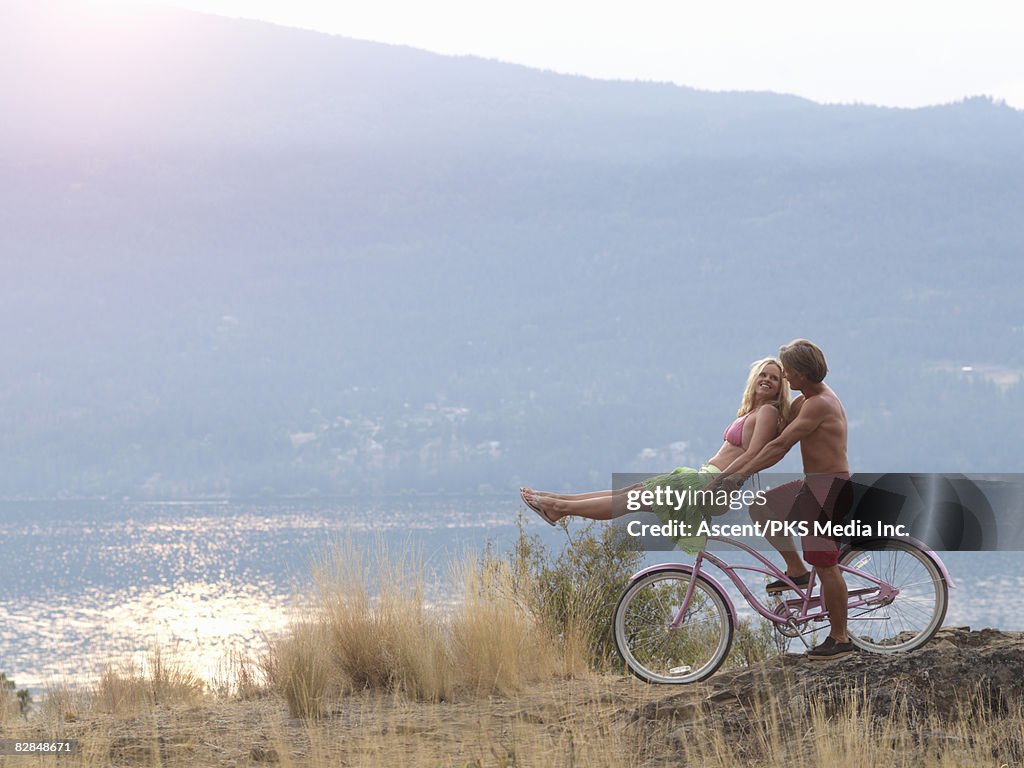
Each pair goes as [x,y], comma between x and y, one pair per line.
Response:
[573,593]
[755,641]
[7,700]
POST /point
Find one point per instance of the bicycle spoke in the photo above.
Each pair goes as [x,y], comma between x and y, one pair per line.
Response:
[656,651]
[917,609]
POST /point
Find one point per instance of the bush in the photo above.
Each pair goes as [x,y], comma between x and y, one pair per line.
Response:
[753,642]
[161,679]
[574,593]
[13,699]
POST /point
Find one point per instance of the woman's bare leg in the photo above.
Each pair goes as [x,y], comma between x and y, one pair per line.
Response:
[599,505]
[572,496]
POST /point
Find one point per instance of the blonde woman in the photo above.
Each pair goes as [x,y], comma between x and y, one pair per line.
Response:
[763,412]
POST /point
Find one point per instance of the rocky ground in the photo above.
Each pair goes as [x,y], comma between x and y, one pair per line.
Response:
[954,690]
[955,702]
[956,668]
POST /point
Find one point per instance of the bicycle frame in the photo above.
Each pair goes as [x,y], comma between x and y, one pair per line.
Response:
[793,612]
[675,623]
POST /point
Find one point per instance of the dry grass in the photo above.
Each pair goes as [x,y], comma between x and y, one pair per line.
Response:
[370,629]
[161,679]
[8,707]
[241,676]
[496,645]
[852,735]
[596,721]
[373,676]
[304,670]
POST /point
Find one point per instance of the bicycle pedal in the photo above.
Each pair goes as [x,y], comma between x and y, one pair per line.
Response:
[778,586]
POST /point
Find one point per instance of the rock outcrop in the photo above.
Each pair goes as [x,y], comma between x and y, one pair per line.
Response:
[957,672]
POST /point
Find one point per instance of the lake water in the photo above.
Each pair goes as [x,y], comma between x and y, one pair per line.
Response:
[87,584]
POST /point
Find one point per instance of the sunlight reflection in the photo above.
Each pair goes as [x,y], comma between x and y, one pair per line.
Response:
[201,623]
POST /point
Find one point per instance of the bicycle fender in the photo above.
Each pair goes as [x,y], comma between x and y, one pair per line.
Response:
[929,553]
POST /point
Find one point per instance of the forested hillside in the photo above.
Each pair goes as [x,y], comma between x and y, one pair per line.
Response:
[242,259]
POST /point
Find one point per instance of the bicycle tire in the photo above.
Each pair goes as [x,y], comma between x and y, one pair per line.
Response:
[655,652]
[917,612]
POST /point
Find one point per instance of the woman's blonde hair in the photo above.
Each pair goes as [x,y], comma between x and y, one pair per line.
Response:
[781,400]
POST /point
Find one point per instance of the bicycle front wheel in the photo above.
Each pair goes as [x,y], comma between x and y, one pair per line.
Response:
[656,652]
[916,613]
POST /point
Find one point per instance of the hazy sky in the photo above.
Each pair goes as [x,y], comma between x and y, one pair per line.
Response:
[892,52]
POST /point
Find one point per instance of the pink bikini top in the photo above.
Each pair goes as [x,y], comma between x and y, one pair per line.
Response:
[734,432]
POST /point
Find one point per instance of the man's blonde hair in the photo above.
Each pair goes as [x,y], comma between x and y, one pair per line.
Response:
[805,358]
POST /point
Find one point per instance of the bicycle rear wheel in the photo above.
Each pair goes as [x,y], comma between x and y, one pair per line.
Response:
[914,615]
[652,649]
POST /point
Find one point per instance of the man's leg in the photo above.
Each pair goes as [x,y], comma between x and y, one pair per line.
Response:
[836,595]
[835,494]
[794,564]
[778,505]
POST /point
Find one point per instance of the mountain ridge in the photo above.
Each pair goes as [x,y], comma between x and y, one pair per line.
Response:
[461,274]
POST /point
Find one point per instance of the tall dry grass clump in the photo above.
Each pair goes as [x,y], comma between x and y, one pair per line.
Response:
[370,628]
[498,644]
[8,703]
[381,633]
[160,679]
[303,669]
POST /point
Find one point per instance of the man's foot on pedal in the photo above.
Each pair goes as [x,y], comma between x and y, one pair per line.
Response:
[781,586]
[830,649]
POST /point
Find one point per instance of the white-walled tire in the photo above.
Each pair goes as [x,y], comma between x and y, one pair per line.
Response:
[917,612]
[652,649]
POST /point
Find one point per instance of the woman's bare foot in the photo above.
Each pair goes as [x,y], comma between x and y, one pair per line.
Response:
[542,494]
[537,502]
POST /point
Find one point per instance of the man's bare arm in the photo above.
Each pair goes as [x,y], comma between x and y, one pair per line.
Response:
[812,413]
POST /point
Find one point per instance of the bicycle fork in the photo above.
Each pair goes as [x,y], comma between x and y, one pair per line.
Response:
[688,597]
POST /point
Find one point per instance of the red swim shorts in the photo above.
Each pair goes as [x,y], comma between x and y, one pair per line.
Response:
[816,498]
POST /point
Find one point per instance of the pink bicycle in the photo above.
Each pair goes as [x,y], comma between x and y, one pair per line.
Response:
[674,623]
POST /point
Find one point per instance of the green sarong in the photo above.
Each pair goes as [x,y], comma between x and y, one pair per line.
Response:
[686,480]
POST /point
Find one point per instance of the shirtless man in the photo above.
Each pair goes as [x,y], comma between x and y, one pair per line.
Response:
[819,425]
